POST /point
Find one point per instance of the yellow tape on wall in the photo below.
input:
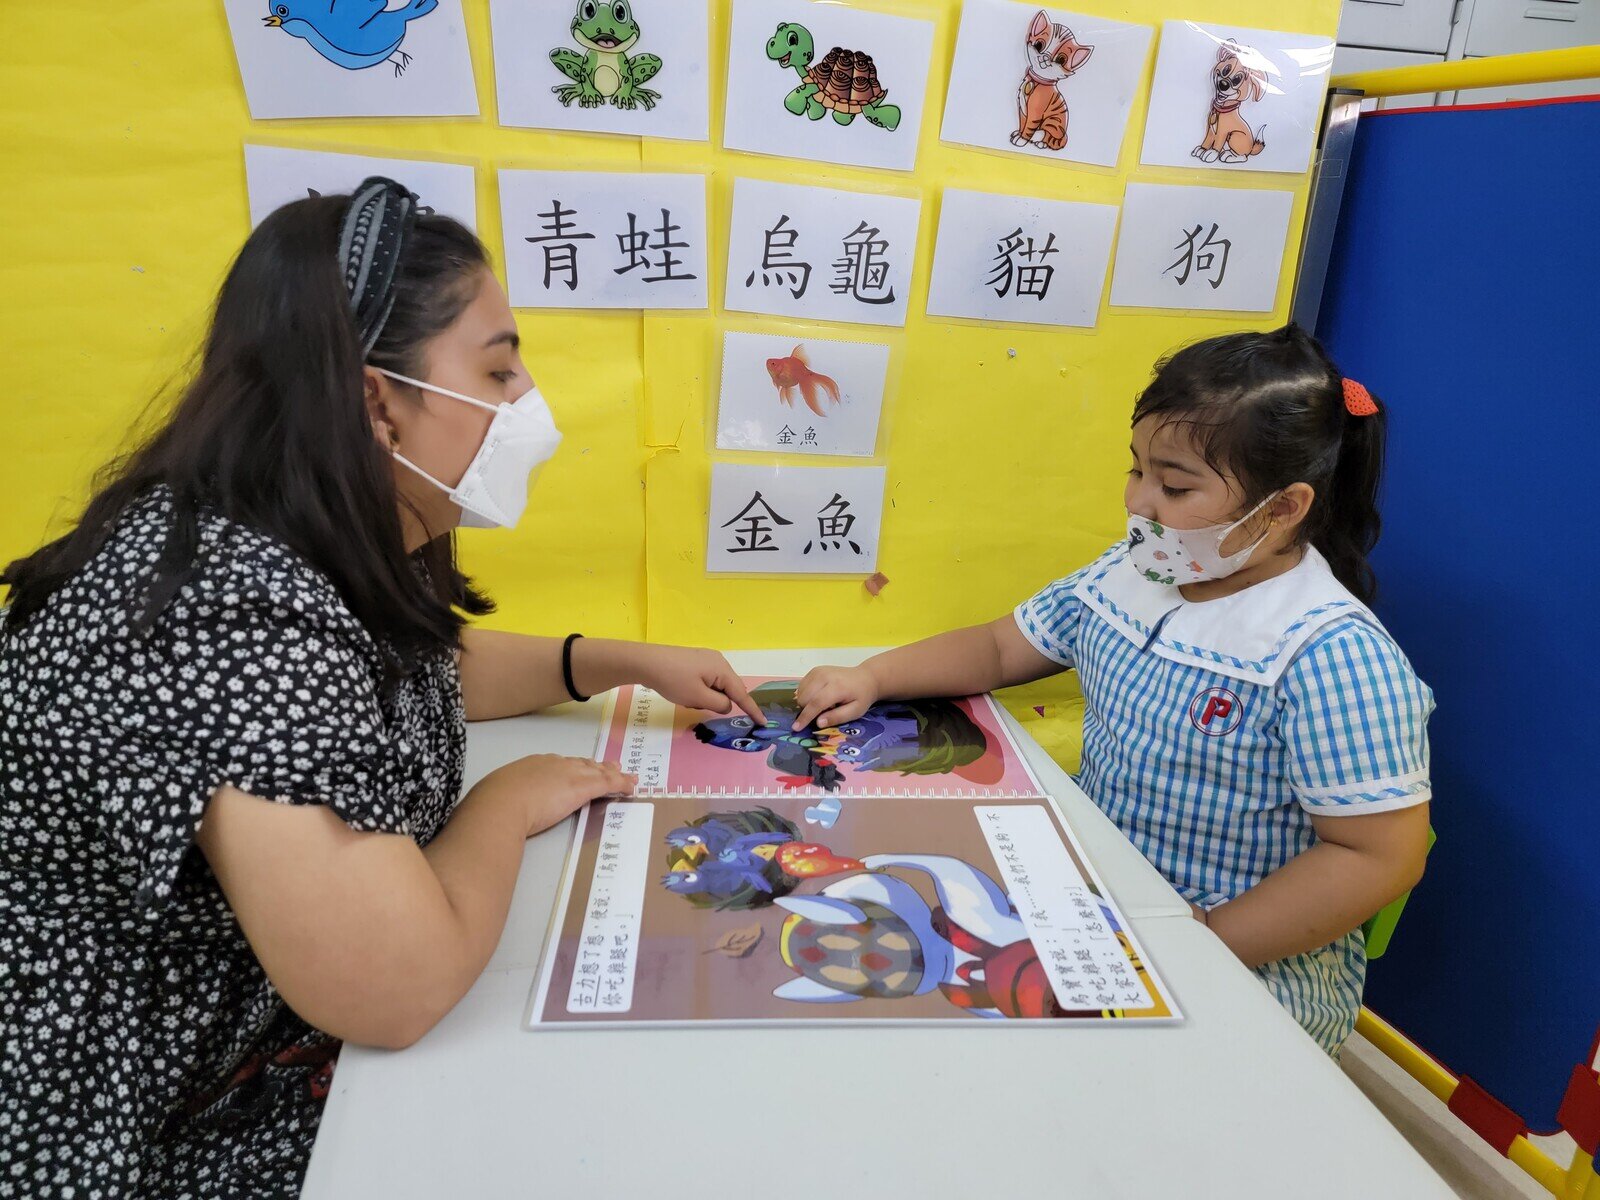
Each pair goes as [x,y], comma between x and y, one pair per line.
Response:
[122,128]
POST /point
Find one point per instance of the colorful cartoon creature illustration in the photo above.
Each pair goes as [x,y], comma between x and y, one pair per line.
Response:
[794,374]
[844,83]
[607,30]
[1053,55]
[904,737]
[742,860]
[353,34]
[1239,75]
[872,934]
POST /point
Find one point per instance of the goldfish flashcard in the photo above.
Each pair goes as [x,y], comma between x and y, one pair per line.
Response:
[790,393]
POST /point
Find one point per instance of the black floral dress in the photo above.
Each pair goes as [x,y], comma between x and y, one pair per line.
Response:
[142,1050]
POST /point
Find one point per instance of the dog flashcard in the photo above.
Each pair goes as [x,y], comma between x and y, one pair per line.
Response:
[1234,99]
[1043,82]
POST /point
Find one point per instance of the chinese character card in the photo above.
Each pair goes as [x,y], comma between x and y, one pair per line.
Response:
[787,520]
[907,910]
[1200,247]
[604,239]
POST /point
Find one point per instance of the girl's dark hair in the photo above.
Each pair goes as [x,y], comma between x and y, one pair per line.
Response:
[272,431]
[1268,409]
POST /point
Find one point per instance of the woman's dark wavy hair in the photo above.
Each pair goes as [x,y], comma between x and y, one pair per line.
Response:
[1268,409]
[271,430]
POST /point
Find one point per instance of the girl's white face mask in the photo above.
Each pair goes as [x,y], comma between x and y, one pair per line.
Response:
[494,488]
[1180,556]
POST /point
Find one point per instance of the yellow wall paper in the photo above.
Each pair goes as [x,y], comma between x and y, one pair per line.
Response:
[121,127]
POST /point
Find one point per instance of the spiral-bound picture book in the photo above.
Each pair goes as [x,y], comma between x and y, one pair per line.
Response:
[896,748]
[905,867]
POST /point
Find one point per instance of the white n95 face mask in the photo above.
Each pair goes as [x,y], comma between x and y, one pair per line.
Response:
[494,488]
[1164,555]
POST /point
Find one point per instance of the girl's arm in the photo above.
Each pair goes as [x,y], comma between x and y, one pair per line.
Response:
[964,662]
[1358,865]
[366,936]
[509,674]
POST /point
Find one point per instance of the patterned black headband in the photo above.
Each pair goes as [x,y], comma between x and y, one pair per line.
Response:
[371,242]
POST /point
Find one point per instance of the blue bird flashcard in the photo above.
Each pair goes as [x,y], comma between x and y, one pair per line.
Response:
[353,58]
[353,34]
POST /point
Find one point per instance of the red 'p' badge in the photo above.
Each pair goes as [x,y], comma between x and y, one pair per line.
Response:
[1216,711]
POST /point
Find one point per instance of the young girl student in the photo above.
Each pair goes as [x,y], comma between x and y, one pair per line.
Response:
[232,719]
[1248,723]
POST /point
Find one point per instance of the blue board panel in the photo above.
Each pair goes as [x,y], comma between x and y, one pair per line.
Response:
[1463,291]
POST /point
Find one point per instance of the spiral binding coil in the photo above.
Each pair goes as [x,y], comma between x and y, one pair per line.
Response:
[809,793]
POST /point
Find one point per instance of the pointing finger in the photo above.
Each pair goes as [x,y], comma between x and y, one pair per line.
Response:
[734,688]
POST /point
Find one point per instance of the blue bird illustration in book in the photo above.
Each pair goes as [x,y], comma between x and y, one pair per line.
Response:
[353,34]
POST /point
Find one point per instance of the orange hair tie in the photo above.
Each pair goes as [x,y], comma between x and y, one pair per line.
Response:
[1358,402]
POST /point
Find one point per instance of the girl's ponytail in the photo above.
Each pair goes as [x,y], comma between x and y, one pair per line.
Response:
[1351,522]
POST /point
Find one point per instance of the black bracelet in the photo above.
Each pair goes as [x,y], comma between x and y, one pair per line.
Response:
[566,669]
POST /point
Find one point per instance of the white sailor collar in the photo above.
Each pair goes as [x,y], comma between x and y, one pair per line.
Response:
[1252,635]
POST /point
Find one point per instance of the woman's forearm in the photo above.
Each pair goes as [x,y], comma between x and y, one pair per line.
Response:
[475,858]
[509,674]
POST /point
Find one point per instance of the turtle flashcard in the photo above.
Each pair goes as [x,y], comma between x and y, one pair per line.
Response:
[796,394]
[353,58]
[276,175]
[907,910]
[896,748]
[603,66]
[1044,82]
[1233,99]
[826,82]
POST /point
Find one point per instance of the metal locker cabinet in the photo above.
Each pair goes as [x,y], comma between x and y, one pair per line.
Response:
[1421,25]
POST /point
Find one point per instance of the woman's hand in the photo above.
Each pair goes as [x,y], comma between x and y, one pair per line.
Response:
[550,787]
[830,696]
[694,679]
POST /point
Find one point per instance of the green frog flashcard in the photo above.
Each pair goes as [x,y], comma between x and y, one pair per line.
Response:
[634,67]
[602,70]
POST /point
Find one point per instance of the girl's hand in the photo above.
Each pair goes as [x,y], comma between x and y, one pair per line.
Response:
[695,679]
[551,787]
[830,696]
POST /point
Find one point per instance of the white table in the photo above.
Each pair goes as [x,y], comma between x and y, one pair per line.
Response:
[1235,1102]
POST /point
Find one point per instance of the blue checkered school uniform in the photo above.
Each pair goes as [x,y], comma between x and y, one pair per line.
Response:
[1214,731]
